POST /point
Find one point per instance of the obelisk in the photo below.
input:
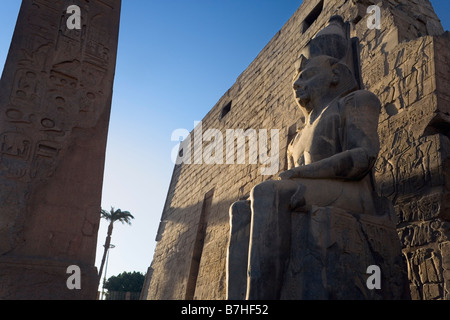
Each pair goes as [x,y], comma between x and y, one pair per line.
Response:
[55,101]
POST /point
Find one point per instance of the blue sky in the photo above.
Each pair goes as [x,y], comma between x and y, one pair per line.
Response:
[176,59]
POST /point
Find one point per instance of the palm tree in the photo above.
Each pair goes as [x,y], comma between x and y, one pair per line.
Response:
[112,216]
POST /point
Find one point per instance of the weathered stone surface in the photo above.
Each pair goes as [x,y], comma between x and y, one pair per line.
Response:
[240,218]
[55,98]
[406,64]
[333,252]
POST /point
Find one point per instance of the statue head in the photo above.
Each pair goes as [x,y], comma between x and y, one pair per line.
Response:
[319,80]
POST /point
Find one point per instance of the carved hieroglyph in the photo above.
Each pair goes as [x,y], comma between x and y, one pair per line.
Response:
[55,98]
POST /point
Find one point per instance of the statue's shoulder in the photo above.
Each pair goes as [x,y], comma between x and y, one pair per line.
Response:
[360,106]
[361,99]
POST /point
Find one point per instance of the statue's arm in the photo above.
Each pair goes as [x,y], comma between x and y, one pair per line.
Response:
[350,165]
[290,161]
[361,145]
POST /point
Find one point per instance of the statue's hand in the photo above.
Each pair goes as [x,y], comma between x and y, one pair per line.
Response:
[286,175]
[298,201]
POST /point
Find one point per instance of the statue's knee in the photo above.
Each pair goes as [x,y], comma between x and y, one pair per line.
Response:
[240,213]
[238,207]
[264,189]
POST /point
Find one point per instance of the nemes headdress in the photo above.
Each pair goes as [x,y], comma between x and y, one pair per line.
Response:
[334,41]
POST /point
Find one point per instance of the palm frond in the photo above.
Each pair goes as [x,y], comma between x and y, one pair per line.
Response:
[108,215]
[117,215]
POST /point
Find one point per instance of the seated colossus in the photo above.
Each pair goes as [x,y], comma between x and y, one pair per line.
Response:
[330,164]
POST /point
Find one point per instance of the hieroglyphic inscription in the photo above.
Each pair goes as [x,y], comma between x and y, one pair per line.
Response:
[407,165]
[424,268]
[58,79]
[58,85]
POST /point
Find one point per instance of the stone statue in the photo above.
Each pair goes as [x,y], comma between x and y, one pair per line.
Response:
[330,165]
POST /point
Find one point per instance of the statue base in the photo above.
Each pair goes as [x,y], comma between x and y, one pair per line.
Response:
[332,251]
